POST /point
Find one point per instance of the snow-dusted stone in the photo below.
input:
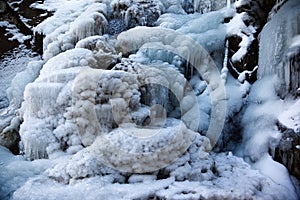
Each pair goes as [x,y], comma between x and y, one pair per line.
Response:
[136,13]
[287,152]
[102,48]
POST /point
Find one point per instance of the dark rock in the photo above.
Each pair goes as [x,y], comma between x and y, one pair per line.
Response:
[13,12]
[13,17]
[10,137]
[32,15]
[257,12]
[125,16]
[38,43]
[287,152]
[188,7]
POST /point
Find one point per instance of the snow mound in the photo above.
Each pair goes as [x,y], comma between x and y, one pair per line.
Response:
[290,118]
[213,176]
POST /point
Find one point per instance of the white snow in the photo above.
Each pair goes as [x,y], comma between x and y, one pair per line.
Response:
[239,3]
[13,32]
[295,42]
[260,134]
[259,120]
[111,134]
[236,26]
[290,118]
[278,174]
[230,172]
[15,171]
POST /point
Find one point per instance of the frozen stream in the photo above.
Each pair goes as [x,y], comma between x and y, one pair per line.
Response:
[143,112]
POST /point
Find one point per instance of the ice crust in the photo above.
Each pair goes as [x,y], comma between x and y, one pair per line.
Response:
[88,95]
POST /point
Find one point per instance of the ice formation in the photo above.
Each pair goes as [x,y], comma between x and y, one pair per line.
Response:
[271,60]
[119,115]
[63,33]
[10,66]
[103,49]
[191,177]
[18,83]
[261,135]
[15,171]
[48,112]
[196,55]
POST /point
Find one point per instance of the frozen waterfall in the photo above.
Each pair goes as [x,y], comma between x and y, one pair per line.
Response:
[281,57]
[134,99]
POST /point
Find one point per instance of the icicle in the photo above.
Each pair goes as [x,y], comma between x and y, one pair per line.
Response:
[224,70]
[126,17]
[226,54]
[228,4]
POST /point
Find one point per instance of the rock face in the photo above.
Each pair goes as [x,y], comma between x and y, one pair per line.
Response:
[255,14]
[10,137]
[287,152]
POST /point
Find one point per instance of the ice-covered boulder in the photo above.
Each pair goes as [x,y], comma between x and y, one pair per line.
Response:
[103,49]
[67,26]
[130,14]
[70,104]
[46,110]
[103,102]
[195,55]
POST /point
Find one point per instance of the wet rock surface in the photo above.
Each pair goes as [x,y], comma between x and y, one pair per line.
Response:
[256,16]
[288,151]
[279,55]
[22,17]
